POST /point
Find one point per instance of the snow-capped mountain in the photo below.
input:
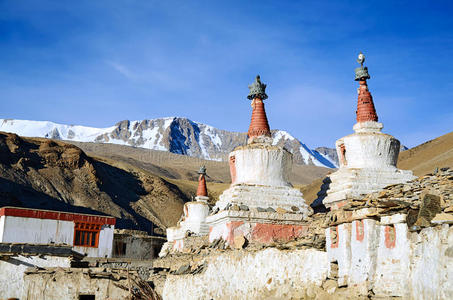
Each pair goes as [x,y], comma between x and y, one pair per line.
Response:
[177,135]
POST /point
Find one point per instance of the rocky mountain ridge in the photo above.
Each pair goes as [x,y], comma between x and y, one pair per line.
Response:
[48,174]
[176,135]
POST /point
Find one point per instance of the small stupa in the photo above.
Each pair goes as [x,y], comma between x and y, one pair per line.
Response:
[260,204]
[367,157]
[193,220]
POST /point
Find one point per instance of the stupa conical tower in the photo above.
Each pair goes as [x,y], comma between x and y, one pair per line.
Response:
[261,204]
[367,157]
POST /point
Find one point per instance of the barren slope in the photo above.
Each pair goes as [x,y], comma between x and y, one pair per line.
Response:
[426,157]
[40,173]
[182,167]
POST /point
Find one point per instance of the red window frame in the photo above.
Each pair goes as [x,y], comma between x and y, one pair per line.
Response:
[86,234]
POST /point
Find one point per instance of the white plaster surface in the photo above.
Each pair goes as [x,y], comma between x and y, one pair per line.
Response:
[342,252]
[12,272]
[363,254]
[418,266]
[392,264]
[432,263]
[269,273]
[2,227]
[37,231]
[355,182]
[269,165]
[49,231]
[194,220]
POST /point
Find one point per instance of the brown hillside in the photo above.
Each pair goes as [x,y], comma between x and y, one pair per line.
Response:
[181,169]
[426,157]
[40,173]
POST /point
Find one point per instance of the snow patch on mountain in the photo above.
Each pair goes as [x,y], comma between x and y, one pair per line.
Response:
[309,156]
[173,134]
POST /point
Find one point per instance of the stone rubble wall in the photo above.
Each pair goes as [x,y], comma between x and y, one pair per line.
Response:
[270,273]
[71,283]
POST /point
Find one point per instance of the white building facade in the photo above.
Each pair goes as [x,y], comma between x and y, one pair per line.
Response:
[88,234]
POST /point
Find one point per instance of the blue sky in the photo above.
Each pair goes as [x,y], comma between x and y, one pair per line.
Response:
[95,63]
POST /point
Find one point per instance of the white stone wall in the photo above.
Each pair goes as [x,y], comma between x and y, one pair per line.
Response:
[196,213]
[63,284]
[339,240]
[37,231]
[264,166]
[364,245]
[370,150]
[392,261]
[49,231]
[194,220]
[12,272]
[432,263]
[266,274]
[2,227]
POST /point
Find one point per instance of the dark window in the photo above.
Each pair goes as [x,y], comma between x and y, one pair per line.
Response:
[87,297]
[120,248]
[86,234]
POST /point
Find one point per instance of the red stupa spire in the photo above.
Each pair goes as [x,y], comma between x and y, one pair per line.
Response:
[259,126]
[365,106]
[202,190]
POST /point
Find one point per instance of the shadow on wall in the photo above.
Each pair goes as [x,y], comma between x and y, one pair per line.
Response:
[317,204]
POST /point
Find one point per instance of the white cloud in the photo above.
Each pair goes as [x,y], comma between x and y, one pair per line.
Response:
[122,69]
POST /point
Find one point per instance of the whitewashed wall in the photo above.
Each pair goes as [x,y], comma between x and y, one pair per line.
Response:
[12,272]
[267,274]
[412,265]
[37,231]
[46,231]
[270,165]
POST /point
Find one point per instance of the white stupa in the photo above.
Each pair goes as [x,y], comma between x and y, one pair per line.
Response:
[260,204]
[193,220]
[367,157]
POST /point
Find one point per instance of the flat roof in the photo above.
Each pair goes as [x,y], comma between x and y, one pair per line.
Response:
[55,215]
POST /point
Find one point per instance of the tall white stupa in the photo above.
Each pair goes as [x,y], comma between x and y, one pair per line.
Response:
[260,205]
[367,157]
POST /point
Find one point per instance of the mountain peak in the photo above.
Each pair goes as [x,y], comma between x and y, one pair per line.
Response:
[174,134]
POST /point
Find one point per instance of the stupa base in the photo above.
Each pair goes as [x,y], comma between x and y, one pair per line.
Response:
[254,226]
[350,183]
[263,197]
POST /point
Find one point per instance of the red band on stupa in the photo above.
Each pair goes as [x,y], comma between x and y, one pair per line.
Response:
[365,106]
[202,190]
[259,125]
